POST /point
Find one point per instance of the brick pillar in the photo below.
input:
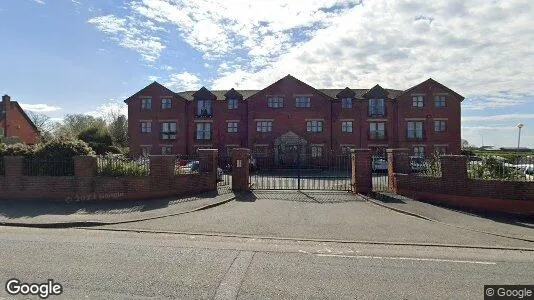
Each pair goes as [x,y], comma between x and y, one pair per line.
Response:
[240,169]
[13,172]
[398,162]
[361,171]
[85,166]
[454,168]
[209,159]
[162,173]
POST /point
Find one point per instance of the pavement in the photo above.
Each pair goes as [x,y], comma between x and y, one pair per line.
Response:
[124,265]
[321,216]
[60,214]
[500,225]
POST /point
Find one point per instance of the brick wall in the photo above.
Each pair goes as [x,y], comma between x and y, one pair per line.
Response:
[86,186]
[455,189]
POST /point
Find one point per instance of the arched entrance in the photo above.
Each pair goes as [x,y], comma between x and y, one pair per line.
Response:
[289,150]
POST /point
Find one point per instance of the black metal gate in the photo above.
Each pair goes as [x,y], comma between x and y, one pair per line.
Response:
[297,169]
[379,171]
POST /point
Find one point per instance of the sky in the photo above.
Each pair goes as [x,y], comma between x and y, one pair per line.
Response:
[62,57]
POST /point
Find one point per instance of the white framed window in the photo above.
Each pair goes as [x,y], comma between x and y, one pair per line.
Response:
[314,126]
[415,130]
[418,101]
[440,150]
[146,127]
[146,103]
[275,102]
[377,130]
[302,101]
[168,130]
[419,151]
[346,126]
[440,125]
[203,131]
[439,101]
[232,103]
[346,102]
[264,126]
[166,103]
[316,151]
[204,108]
[145,150]
[232,126]
[376,107]
[166,150]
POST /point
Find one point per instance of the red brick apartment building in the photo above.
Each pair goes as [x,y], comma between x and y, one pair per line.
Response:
[15,125]
[290,113]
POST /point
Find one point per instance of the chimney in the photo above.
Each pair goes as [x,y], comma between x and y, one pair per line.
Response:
[5,102]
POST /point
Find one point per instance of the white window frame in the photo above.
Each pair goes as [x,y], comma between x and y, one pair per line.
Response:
[146,127]
[440,101]
[203,130]
[346,102]
[315,126]
[168,130]
[417,128]
[346,149]
[419,151]
[264,126]
[440,125]
[146,103]
[378,129]
[145,150]
[204,104]
[317,151]
[275,101]
[231,127]
[302,102]
[168,148]
[440,150]
[418,101]
[233,103]
[166,103]
[347,126]
[377,107]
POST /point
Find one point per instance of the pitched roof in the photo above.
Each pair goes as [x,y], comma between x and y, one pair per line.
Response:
[152,85]
[22,112]
[437,83]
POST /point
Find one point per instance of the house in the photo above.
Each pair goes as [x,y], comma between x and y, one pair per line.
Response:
[15,125]
[291,114]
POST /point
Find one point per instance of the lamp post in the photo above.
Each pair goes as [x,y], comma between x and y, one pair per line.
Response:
[520,125]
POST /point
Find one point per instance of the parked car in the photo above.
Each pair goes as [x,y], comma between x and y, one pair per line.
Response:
[189,167]
[417,163]
[379,164]
[529,172]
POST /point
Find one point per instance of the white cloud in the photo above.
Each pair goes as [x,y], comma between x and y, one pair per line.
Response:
[133,34]
[39,1]
[183,81]
[504,117]
[106,110]
[153,78]
[39,107]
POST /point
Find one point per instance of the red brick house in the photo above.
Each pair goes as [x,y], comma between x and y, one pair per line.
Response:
[15,125]
[289,112]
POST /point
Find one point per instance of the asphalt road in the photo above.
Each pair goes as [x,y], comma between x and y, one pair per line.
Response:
[319,215]
[94,264]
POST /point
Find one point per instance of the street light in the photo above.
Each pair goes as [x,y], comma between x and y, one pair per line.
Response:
[520,125]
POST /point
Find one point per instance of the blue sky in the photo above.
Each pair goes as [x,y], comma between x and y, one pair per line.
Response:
[79,56]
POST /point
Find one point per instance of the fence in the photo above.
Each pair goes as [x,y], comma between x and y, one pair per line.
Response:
[121,166]
[426,166]
[498,168]
[2,170]
[47,167]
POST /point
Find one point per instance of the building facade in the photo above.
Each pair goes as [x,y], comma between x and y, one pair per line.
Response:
[290,114]
[15,125]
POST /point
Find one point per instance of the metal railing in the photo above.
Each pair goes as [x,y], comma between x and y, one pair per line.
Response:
[426,166]
[33,166]
[115,165]
[2,169]
[492,167]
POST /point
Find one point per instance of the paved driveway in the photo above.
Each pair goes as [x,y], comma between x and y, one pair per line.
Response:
[319,215]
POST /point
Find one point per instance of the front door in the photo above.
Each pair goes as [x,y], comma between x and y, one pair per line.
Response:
[288,156]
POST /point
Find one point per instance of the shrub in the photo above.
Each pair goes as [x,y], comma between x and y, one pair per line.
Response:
[63,148]
[114,150]
[16,150]
[98,139]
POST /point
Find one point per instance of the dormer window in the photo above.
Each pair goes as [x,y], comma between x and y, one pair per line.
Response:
[376,108]
[275,102]
[346,102]
[204,108]
[232,103]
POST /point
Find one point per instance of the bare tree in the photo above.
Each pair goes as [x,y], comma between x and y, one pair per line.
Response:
[43,123]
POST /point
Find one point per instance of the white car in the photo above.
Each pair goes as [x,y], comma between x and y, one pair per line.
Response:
[529,172]
[379,164]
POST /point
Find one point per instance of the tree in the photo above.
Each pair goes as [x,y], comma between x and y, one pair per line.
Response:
[44,125]
[75,124]
[465,144]
[98,139]
[118,129]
